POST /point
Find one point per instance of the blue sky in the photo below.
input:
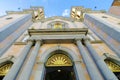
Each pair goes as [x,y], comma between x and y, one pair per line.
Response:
[53,7]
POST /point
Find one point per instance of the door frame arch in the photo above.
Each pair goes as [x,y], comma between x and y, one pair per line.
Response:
[70,53]
[45,55]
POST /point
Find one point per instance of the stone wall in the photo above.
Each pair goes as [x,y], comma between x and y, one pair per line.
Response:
[104,31]
[10,32]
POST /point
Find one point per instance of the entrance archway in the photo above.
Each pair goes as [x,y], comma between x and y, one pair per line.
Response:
[76,61]
[59,67]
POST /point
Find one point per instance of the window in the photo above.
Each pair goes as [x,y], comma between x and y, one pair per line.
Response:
[57,26]
[115,68]
[4,68]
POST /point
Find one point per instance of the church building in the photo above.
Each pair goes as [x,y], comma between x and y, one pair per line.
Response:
[84,46]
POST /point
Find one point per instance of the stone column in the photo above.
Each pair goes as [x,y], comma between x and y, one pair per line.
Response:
[105,71]
[12,74]
[78,70]
[91,68]
[39,74]
[27,69]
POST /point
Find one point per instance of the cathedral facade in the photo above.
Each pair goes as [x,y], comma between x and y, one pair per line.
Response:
[84,46]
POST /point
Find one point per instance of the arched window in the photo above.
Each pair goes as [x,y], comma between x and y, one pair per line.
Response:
[4,68]
[114,67]
[57,25]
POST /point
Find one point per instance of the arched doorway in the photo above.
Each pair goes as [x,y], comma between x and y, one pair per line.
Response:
[59,67]
[4,68]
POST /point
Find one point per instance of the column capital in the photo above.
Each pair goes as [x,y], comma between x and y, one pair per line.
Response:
[38,40]
[78,39]
[30,40]
[34,40]
[86,39]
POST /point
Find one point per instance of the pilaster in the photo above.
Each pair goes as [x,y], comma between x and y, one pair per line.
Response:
[105,71]
[12,74]
[88,62]
[78,69]
[26,72]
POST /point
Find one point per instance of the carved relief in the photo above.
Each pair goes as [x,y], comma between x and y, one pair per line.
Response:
[59,60]
[57,25]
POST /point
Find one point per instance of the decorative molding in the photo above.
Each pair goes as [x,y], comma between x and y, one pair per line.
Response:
[112,58]
[20,43]
[68,30]
[10,58]
[57,17]
[96,41]
[61,24]
[58,60]
[45,55]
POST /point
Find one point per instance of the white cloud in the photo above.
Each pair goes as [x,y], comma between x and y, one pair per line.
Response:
[66,12]
[45,16]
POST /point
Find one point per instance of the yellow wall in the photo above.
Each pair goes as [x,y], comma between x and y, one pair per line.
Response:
[13,50]
[102,48]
